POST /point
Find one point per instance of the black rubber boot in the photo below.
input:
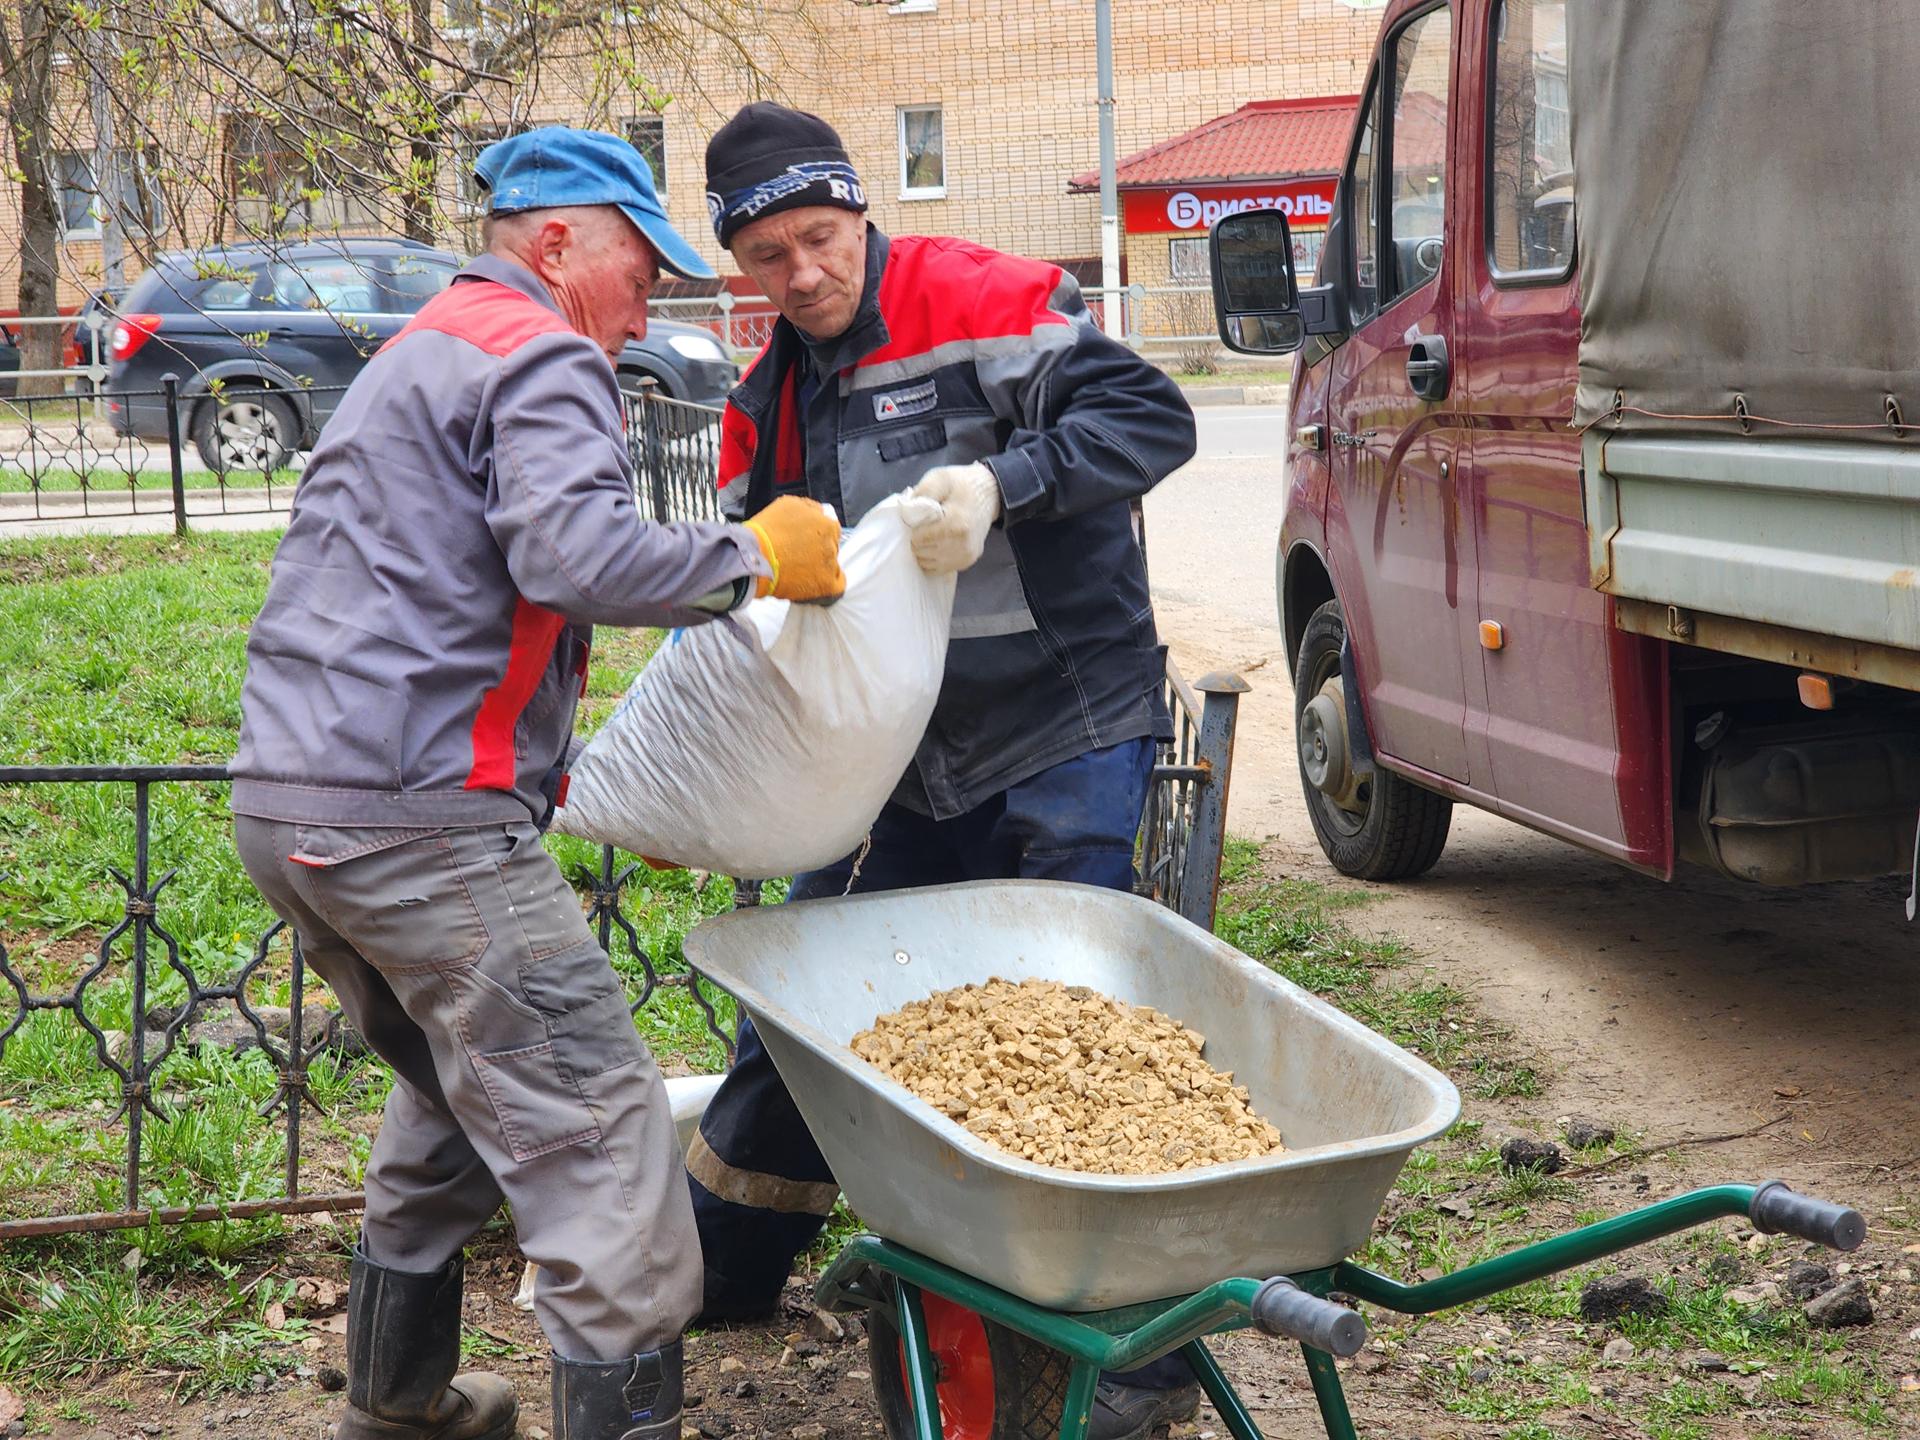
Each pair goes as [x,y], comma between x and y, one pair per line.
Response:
[403,1346]
[1132,1412]
[639,1398]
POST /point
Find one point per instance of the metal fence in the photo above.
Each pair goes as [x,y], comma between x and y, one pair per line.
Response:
[139,949]
[234,450]
[674,447]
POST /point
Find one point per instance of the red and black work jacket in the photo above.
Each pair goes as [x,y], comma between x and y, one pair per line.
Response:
[961,354]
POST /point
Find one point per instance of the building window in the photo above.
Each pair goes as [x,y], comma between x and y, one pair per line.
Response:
[1187,259]
[466,149]
[133,197]
[923,153]
[648,135]
[278,182]
[468,17]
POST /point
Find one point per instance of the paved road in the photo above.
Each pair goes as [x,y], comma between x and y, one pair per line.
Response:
[1672,1006]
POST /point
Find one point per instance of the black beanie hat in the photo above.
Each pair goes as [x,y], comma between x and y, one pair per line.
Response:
[768,159]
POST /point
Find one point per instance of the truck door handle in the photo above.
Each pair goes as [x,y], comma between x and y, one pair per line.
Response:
[1428,370]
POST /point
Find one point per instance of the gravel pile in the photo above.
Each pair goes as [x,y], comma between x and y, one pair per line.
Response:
[1062,1075]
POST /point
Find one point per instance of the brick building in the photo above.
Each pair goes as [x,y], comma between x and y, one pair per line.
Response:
[965,117]
[973,117]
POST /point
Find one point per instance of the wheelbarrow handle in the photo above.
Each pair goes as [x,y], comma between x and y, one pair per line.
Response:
[1777,1210]
[1280,1307]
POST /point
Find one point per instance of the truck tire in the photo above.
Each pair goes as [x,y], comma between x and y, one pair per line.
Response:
[1383,827]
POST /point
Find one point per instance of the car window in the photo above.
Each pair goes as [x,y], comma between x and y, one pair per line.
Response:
[227,293]
[1417,134]
[412,280]
[1364,219]
[1530,171]
[332,282]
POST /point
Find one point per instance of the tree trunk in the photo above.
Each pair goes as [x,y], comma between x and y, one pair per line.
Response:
[30,117]
[424,171]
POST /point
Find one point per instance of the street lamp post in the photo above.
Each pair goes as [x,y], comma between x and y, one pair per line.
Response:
[1109,184]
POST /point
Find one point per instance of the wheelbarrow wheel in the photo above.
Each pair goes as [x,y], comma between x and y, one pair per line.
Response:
[994,1384]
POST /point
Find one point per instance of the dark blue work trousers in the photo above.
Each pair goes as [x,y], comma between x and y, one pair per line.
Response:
[1076,821]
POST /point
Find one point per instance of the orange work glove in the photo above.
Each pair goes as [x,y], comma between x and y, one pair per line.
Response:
[801,541]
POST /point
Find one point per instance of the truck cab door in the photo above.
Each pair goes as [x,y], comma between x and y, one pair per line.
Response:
[1394,441]
[1571,738]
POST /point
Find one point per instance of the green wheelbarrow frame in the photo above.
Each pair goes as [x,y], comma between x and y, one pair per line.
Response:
[1131,1336]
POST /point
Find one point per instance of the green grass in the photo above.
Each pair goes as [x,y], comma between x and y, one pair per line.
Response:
[131,651]
[1296,928]
[112,480]
[1231,374]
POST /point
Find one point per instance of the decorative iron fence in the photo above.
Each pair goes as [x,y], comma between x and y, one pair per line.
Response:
[139,951]
[188,454]
[193,455]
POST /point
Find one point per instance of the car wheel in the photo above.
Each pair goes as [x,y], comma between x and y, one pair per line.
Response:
[1373,825]
[246,431]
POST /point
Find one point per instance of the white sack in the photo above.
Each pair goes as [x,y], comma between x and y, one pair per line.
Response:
[767,742]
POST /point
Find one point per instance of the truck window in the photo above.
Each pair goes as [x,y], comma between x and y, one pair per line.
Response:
[1422,73]
[1364,219]
[1530,167]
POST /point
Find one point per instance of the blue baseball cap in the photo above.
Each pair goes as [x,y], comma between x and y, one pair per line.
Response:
[557,165]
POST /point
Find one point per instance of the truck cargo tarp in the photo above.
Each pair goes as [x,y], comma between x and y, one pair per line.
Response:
[1748,181]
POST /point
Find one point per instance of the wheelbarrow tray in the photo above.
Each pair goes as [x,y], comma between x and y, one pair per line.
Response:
[1349,1104]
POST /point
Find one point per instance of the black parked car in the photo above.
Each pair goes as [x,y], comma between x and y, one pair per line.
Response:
[263,342]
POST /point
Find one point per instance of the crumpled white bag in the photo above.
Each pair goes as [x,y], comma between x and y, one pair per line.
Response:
[767,742]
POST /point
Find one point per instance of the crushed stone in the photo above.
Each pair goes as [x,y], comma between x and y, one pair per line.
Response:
[1064,1076]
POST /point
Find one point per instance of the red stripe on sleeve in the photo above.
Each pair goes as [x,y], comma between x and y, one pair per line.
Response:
[534,632]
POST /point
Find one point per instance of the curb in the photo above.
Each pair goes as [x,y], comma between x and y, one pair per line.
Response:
[1203,395]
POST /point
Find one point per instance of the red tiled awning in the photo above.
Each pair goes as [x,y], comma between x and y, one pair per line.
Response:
[1263,140]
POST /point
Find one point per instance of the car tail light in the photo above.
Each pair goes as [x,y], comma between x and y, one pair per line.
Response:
[130,334]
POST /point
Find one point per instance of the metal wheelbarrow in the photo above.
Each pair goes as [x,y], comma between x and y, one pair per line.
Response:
[996,1289]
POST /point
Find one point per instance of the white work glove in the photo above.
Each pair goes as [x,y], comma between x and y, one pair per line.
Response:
[952,536]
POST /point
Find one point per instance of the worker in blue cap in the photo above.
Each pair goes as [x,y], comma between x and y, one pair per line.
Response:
[465,520]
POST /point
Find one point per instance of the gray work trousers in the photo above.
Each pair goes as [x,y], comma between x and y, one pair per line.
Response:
[463,957]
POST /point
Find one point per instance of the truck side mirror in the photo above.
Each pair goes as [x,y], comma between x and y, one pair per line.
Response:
[1254,295]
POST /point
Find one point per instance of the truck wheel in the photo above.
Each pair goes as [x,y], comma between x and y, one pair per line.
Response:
[248,431]
[1373,827]
[994,1384]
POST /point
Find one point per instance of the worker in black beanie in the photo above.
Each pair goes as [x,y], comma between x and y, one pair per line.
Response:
[768,159]
[978,380]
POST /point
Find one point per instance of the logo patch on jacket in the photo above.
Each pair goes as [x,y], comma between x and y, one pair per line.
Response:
[915,400]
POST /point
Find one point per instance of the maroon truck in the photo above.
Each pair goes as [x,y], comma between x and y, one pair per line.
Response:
[1596,518]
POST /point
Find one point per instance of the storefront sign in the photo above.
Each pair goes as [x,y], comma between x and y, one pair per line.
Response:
[1307,204]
